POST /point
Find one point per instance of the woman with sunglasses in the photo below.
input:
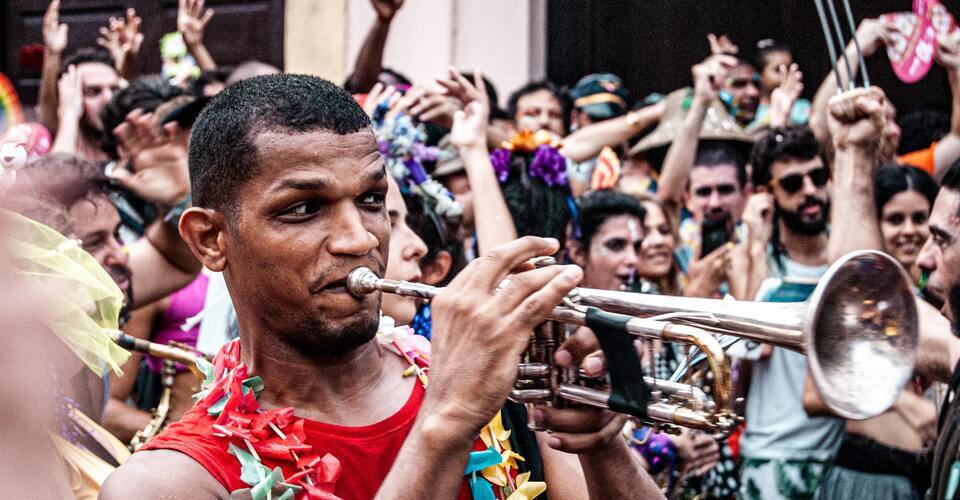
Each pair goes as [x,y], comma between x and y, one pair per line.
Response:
[883,457]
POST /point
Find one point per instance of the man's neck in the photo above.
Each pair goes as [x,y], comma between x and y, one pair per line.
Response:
[809,250]
[360,387]
[88,144]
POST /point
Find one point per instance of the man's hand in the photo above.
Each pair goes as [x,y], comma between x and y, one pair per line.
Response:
[481,327]
[758,216]
[948,51]
[158,159]
[122,38]
[708,76]
[470,124]
[920,414]
[386,9]
[856,119]
[873,34]
[784,96]
[698,452]
[192,19]
[54,33]
[722,45]
[70,89]
[708,273]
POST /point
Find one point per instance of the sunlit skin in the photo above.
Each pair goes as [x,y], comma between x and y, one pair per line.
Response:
[800,201]
[540,110]
[769,78]
[97,224]
[610,262]
[300,230]
[940,256]
[715,193]
[99,83]
[746,96]
[406,250]
[891,133]
[903,225]
[656,252]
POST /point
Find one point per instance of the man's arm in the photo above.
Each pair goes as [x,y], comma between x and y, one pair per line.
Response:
[369,63]
[163,474]
[121,419]
[70,88]
[871,35]
[707,78]
[856,122]
[587,142]
[54,43]
[122,38]
[948,148]
[192,20]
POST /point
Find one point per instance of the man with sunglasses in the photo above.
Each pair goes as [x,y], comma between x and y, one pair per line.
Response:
[785,451]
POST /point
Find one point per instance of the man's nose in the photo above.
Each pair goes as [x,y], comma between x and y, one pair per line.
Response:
[351,236]
[115,254]
[927,260]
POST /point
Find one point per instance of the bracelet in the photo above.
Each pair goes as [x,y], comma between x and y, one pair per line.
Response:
[173,216]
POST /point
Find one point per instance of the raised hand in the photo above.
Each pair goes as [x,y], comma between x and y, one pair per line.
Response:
[379,95]
[70,89]
[54,33]
[873,34]
[856,119]
[192,19]
[709,75]
[783,97]
[722,45]
[122,38]
[758,216]
[470,124]
[948,51]
[386,9]
[708,273]
[156,157]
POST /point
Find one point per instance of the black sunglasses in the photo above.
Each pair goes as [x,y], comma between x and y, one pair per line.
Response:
[794,182]
[722,190]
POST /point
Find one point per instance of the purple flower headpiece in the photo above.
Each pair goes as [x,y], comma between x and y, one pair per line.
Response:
[547,164]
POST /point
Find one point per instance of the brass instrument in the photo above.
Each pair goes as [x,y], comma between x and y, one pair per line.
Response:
[859,331]
[170,356]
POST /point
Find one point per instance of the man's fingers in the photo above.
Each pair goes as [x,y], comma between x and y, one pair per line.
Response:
[576,347]
[489,270]
[578,443]
[531,295]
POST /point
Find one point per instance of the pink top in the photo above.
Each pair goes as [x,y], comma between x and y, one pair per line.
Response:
[185,303]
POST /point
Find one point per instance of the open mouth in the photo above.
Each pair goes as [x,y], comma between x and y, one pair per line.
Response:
[338,286]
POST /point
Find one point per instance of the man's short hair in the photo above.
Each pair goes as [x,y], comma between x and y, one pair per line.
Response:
[782,143]
[721,153]
[596,207]
[222,152]
[145,93]
[63,178]
[85,55]
[535,87]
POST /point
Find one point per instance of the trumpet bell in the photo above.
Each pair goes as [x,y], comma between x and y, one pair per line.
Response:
[861,334]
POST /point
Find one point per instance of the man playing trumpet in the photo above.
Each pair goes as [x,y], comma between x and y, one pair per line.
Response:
[290,197]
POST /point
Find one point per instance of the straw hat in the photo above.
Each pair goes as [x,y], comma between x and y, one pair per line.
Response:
[718,125]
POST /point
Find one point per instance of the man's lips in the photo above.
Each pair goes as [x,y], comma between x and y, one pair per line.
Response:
[338,286]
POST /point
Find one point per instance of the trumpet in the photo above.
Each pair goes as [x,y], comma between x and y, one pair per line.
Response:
[858,330]
[170,355]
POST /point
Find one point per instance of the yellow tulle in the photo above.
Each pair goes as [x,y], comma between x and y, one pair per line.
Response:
[80,300]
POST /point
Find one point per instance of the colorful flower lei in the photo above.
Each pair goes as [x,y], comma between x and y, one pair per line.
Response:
[547,162]
[403,147]
[253,433]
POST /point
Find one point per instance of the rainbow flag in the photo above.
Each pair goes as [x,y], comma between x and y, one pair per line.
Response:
[11,112]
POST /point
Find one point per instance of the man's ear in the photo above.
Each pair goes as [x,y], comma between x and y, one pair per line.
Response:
[204,231]
[436,271]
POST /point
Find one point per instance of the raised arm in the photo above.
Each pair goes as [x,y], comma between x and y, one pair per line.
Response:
[707,79]
[492,218]
[54,43]
[856,121]
[587,142]
[192,20]
[871,35]
[948,149]
[369,63]
[70,89]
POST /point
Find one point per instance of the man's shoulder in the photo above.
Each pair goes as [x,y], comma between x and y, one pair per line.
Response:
[161,474]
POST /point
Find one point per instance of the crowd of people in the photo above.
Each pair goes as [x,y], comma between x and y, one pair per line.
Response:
[225,207]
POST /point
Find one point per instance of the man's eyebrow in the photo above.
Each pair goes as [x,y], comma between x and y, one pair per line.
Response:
[377,175]
[300,184]
[940,233]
